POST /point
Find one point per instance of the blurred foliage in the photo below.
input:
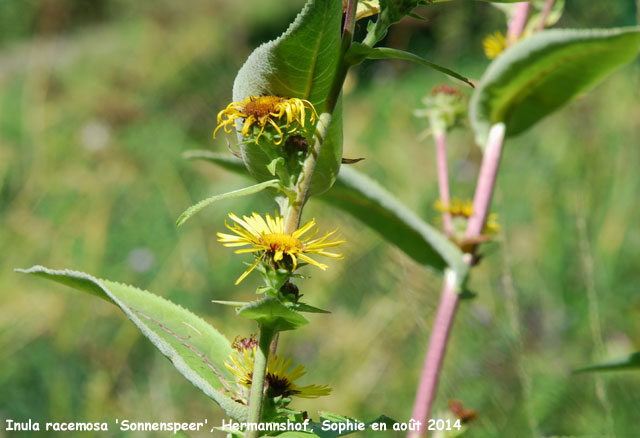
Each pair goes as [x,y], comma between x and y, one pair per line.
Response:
[98,99]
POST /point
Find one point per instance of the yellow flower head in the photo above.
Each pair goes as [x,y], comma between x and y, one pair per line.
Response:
[492,225]
[278,112]
[268,237]
[464,209]
[279,380]
[456,207]
[494,44]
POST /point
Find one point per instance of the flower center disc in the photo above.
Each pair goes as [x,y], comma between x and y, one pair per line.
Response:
[281,242]
[262,106]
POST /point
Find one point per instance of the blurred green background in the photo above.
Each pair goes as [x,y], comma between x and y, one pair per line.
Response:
[98,100]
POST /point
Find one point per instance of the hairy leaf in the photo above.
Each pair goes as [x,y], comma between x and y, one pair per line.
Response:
[302,63]
[540,74]
[195,348]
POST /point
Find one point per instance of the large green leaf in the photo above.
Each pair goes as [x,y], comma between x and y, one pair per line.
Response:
[366,200]
[538,75]
[301,63]
[629,362]
[196,349]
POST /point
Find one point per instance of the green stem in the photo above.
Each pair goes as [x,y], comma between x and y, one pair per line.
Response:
[294,213]
[377,32]
[258,380]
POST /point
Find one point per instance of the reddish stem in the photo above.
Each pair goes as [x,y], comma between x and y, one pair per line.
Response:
[443,179]
[545,14]
[518,22]
[449,299]
[486,181]
[435,354]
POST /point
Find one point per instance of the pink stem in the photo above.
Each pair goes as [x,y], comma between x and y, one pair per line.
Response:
[443,179]
[486,181]
[435,354]
[518,22]
[545,14]
[449,299]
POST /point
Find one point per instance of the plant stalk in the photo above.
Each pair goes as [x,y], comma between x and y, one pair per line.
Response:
[486,181]
[518,21]
[450,293]
[545,14]
[435,353]
[258,380]
[443,179]
[294,213]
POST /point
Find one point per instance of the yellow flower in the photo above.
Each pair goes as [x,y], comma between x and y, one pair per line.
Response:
[456,207]
[279,380]
[494,44]
[278,112]
[492,225]
[464,209]
[268,236]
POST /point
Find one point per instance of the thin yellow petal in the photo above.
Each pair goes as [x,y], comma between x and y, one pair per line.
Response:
[312,262]
[248,271]
[302,230]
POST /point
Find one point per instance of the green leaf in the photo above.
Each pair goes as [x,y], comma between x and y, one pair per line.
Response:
[275,165]
[629,362]
[302,63]
[196,349]
[359,52]
[231,303]
[271,313]
[540,74]
[466,294]
[392,11]
[367,201]
[224,160]
[274,183]
[302,307]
